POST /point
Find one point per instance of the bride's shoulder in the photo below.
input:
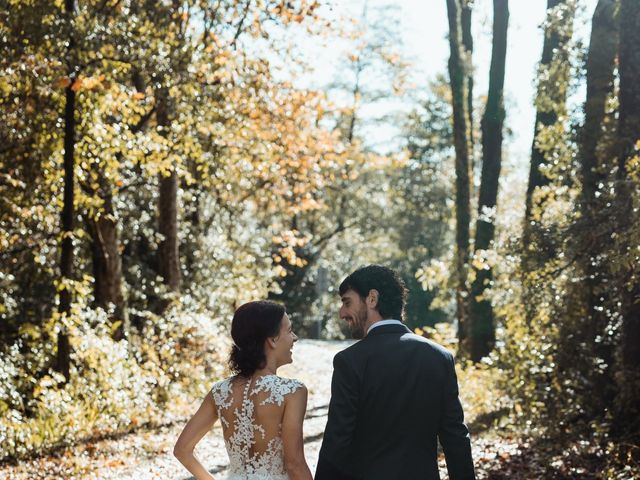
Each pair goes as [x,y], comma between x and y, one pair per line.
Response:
[292,383]
[221,391]
[278,387]
[223,384]
[288,382]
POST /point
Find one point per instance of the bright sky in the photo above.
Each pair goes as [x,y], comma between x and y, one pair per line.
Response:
[425,29]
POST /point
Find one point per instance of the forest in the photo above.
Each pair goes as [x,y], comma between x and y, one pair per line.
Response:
[163,162]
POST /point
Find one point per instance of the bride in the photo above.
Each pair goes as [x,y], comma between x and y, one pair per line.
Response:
[261,414]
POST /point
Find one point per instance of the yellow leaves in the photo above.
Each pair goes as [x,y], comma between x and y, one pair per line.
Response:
[138,96]
[30,330]
[433,275]
[633,165]
[94,83]
[290,237]
[222,57]
[484,259]
[82,83]
[108,50]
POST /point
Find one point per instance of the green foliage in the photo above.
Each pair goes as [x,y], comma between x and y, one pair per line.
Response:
[146,381]
[248,151]
[562,344]
[280,194]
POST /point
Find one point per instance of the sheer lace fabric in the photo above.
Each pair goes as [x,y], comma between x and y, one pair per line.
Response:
[251,413]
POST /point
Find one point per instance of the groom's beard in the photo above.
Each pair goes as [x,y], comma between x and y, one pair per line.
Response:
[358,323]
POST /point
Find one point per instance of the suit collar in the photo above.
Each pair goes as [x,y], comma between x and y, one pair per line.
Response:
[393,328]
[380,323]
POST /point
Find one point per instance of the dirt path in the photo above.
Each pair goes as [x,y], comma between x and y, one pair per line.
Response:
[147,455]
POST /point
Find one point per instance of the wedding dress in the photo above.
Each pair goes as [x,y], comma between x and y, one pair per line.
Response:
[251,413]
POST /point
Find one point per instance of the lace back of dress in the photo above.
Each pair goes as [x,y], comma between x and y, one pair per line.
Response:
[251,412]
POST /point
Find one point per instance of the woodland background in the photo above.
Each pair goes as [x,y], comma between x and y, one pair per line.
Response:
[160,165]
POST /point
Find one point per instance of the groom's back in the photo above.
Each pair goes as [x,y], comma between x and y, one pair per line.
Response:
[402,383]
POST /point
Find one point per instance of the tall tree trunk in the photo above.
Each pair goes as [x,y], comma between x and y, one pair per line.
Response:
[169,259]
[467,42]
[459,91]
[168,255]
[603,48]
[63,360]
[628,418]
[550,103]
[482,334]
[552,52]
[107,266]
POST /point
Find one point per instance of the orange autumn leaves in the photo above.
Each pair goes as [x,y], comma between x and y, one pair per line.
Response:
[97,82]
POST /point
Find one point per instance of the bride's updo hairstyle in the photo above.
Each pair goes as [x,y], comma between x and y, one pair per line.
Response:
[252,324]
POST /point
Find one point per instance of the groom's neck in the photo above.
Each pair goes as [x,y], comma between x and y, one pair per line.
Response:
[372,317]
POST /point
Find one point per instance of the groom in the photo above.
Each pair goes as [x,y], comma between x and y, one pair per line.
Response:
[393,394]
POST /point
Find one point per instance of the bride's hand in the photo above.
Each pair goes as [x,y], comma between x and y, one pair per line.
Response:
[194,430]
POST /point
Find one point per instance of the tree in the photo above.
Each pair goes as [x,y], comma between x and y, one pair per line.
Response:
[459,91]
[425,210]
[174,21]
[596,156]
[551,111]
[601,57]
[552,90]
[627,193]
[371,72]
[68,208]
[482,331]
[467,42]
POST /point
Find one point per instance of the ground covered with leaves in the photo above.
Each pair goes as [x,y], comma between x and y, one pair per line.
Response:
[500,449]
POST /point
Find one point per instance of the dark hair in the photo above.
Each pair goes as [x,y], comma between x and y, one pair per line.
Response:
[252,324]
[392,292]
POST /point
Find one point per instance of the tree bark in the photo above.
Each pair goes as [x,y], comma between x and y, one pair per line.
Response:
[107,266]
[467,42]
[459,91]
[552,52]
[538,248]
[482,337]
[63,357]
[628,136]
[168,254]
[601,58]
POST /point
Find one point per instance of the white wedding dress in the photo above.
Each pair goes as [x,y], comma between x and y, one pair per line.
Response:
[251,413]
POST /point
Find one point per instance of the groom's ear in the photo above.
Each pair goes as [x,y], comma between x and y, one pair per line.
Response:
[372,298]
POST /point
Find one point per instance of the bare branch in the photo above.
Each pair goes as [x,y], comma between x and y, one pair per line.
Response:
[241,24]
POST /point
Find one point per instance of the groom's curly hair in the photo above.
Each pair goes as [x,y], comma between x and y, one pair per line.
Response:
[392,291]
[252,324]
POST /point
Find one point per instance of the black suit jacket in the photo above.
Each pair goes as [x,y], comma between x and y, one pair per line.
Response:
[393,395]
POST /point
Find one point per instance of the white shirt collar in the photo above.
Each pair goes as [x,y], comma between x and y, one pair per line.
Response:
[384,322]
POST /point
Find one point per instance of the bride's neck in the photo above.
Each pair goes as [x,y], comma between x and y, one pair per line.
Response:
[269,369]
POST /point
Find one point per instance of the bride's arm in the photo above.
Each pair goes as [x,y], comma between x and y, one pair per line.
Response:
[194,430]
[292,439]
